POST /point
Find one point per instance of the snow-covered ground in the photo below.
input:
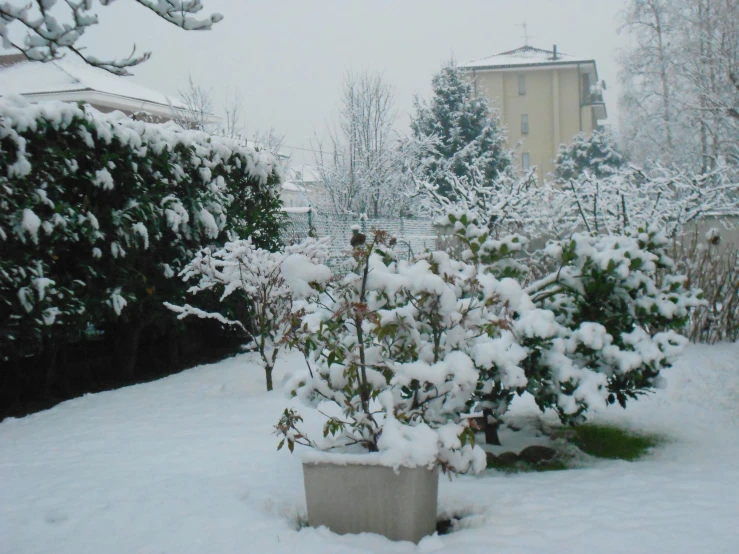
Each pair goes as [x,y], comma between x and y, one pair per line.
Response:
[189,464]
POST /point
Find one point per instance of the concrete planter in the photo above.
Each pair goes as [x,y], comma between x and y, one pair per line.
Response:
[353,498]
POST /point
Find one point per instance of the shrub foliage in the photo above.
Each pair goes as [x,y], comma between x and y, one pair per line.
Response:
[99,213]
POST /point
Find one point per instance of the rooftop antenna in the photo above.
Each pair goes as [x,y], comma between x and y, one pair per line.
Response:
[526,36]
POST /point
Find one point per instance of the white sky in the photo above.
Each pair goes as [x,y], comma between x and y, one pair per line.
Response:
[287,57]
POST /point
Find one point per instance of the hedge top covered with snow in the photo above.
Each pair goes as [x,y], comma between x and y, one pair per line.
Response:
[17,116]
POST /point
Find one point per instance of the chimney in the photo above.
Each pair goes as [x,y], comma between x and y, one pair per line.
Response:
[554,52]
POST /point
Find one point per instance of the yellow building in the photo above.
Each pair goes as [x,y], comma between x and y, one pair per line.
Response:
[545,98]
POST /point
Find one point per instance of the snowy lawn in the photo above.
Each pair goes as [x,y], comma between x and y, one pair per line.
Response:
[189,464]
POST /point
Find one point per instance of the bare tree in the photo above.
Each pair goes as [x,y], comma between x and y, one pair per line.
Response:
[362,172]
[649,76]
[271,141]
[233,124]
[52,29]
[681,75]
[197,111]
[710,66]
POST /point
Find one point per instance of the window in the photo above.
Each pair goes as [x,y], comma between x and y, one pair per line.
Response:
[521,85]
[526,160]
[524,124]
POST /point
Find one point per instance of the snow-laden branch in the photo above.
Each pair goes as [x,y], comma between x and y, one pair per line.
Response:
[53,29]
[507,204]
[665,197]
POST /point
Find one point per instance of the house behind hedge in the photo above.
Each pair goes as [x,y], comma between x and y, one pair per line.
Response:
[70,81]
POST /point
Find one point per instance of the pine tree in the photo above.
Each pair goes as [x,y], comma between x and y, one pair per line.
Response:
[598,153]
[459,134]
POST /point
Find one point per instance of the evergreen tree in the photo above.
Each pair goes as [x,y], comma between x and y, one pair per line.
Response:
[460,136]
[597,153]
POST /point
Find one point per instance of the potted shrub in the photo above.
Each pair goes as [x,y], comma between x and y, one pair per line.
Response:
[392,346]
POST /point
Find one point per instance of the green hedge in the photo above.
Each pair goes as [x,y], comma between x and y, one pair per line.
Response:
[98,214]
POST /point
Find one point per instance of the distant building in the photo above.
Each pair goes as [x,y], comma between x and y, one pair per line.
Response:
[72,81]
[301,187]
[545,98]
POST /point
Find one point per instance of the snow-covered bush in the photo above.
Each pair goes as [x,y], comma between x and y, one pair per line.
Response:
[413,343]
[595,328]
[621,303]
[267,281]
[510,204]
[391,354]
[98,214]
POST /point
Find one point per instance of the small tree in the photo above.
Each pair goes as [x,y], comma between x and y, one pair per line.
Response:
[597,153]
[513,204]
[460,136]
[267,281]
[364,172]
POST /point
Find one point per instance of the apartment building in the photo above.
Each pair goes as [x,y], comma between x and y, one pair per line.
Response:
[545,98]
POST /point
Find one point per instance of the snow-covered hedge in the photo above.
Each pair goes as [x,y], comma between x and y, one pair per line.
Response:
[98,214]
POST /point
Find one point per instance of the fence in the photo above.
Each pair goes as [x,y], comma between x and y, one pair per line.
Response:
[414,235]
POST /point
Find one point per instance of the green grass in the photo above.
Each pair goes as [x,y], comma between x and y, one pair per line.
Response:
[604,441]
[558,463]
[600,441]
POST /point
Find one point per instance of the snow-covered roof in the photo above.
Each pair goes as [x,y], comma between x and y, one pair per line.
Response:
[526,56]
[74,81]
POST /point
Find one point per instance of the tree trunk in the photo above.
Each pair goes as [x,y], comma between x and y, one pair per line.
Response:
[268,373]
[128,347]
[50,368]
[10,387]
[173,341]
[491,427]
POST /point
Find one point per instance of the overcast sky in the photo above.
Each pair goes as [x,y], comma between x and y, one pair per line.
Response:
[287,57]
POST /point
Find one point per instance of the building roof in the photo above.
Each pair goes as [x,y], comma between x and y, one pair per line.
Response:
[526,56]
[71,80]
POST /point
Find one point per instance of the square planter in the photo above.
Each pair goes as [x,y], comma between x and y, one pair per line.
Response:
[354,498]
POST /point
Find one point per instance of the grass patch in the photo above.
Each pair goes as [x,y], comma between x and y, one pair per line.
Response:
[604,441]
[520,466]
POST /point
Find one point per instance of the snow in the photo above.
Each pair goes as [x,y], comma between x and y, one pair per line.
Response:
[299,271]
[30,223]
[209,223]
[188,464]
[296,209]
[524,56]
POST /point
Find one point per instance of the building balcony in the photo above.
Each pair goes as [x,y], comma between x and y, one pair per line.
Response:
[594,99]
